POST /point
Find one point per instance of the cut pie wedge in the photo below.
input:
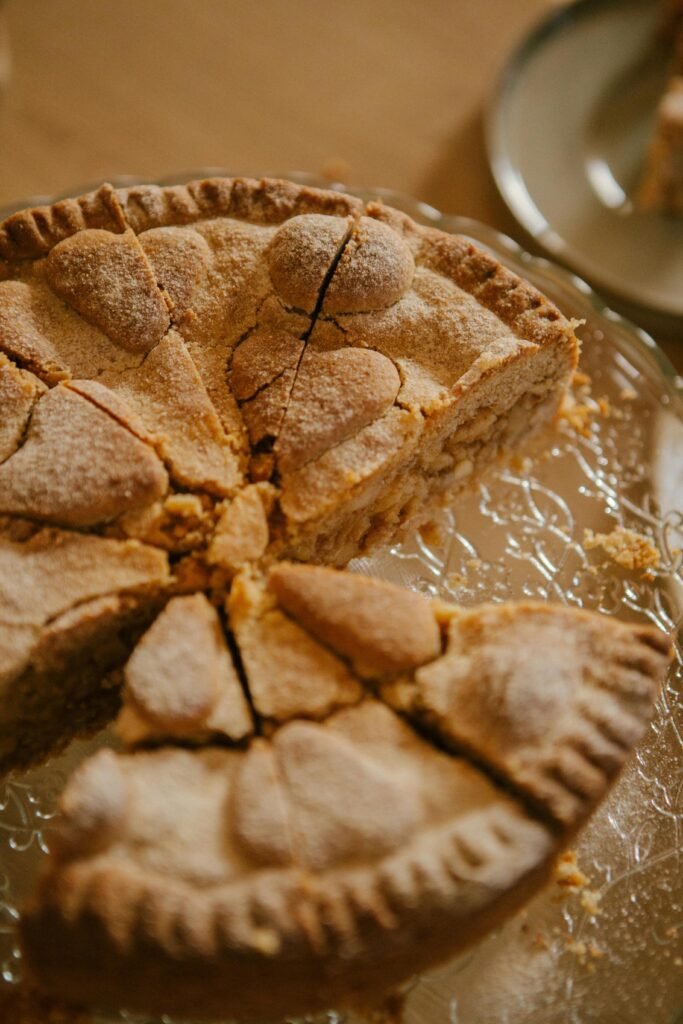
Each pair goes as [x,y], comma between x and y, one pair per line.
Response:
[415,769]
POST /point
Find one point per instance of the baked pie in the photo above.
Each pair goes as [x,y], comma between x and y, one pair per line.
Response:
[327,783]
[402,781]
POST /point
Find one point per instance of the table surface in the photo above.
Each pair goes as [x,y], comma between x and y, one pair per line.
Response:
[373,92]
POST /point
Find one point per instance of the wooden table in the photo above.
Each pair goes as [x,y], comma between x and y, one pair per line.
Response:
[378,92]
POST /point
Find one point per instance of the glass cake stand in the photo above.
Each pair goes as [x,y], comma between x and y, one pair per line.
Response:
[612,952]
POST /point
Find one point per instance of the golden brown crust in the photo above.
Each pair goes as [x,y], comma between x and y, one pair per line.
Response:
[264,201]
[32,233]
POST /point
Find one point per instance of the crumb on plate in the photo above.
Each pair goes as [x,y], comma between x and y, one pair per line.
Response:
[629,549]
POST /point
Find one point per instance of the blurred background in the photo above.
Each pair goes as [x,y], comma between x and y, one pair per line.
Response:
[372,92]
[380,92]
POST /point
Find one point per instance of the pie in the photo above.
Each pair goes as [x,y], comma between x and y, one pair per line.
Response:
[661,186]
[326,783]
[261,370]
[399,781]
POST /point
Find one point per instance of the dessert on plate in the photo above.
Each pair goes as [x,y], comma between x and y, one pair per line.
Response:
[326,782]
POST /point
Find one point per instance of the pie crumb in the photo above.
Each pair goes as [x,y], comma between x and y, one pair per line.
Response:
[568,874]
[627,548]
[590,901]
[577,415]
[431,533]
[522,463]
[628,394]
[585,952]
[540,941]
[580,379]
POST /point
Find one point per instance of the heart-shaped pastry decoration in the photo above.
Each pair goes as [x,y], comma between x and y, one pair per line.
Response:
[379,629]
[181,678]
[335,395]
[94,810]
[56,477]
[343,805]
[179,258]
[108,280]
[375,269]
[301,255]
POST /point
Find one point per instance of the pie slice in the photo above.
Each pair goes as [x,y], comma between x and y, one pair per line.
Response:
[548,699]
[662,185]
[413,770]
[181,681]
